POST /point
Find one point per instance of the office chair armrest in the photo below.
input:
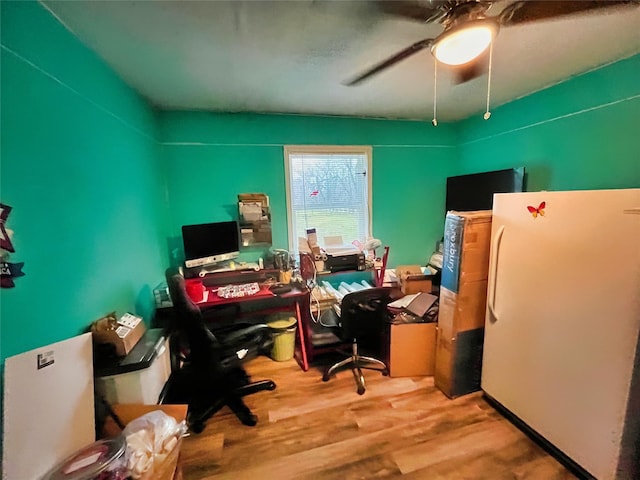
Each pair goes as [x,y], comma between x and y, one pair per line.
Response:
[246,344]
[251,331]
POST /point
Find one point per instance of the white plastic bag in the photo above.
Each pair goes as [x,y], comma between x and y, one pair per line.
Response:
[150,439]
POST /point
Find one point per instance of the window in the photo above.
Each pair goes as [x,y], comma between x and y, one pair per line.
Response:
[328,188]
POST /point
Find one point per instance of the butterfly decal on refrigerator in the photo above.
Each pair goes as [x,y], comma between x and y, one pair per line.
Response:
[537,211]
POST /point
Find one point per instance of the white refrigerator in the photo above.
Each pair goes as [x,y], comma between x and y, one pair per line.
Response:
[563,318]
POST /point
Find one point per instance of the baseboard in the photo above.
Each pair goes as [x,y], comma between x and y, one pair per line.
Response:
[566,461]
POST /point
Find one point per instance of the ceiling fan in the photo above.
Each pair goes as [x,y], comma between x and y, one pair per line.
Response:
[469,31]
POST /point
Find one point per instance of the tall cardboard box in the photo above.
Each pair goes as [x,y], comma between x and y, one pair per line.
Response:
[463,296]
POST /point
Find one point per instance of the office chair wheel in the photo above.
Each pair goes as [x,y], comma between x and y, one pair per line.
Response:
[360,390]
[271,386]
[196,427]
[385,372]
[250,420]
[326,377]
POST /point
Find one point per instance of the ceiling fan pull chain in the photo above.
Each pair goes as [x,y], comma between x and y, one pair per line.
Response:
[434,122]
[487,114]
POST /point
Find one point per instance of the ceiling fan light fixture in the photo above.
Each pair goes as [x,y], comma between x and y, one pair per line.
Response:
[463,43]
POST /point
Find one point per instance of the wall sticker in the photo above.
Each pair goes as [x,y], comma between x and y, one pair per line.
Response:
[537,211]
[8,270]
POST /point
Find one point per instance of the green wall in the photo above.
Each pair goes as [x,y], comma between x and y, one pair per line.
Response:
[210,158]
[581,134]
[96,227]
[79,167]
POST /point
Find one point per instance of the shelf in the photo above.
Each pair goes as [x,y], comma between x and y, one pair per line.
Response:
[323,336]
[254,217]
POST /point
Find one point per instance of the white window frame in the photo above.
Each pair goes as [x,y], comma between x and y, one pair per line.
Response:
[326,150]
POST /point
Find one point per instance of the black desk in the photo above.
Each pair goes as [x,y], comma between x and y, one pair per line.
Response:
[264,303]
[309,339]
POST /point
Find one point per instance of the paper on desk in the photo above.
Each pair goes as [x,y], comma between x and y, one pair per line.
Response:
[333,241]
[205,296]
[390,276]
[303,245]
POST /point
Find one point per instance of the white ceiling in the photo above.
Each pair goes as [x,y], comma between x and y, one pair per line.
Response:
[293,56]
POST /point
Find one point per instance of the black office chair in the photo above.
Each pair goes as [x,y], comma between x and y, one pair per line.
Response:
[362,320]
[211,374]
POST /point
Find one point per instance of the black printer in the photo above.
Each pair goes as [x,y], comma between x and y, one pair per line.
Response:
[348,261]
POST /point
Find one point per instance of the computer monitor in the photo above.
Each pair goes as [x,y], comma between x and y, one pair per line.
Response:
[475,191]
[210,243]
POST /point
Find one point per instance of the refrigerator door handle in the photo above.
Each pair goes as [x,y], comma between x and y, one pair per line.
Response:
[495,248]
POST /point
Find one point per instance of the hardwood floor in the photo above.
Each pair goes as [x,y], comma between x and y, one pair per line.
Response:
[400,428]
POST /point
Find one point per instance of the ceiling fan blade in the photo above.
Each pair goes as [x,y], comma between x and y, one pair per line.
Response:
[536,10]
[401,55]
[423,11]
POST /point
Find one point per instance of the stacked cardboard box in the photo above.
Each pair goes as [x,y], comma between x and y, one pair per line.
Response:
[463,295]
[412,280]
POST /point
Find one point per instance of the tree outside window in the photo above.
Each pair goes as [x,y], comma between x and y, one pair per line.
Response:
[328,188]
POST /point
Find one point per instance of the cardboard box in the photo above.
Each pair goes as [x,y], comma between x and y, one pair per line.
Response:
[467,240]
[459,362]
[412,280]
[130,411]
[463,296]
[459,312]
[412,349]
[123,333]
